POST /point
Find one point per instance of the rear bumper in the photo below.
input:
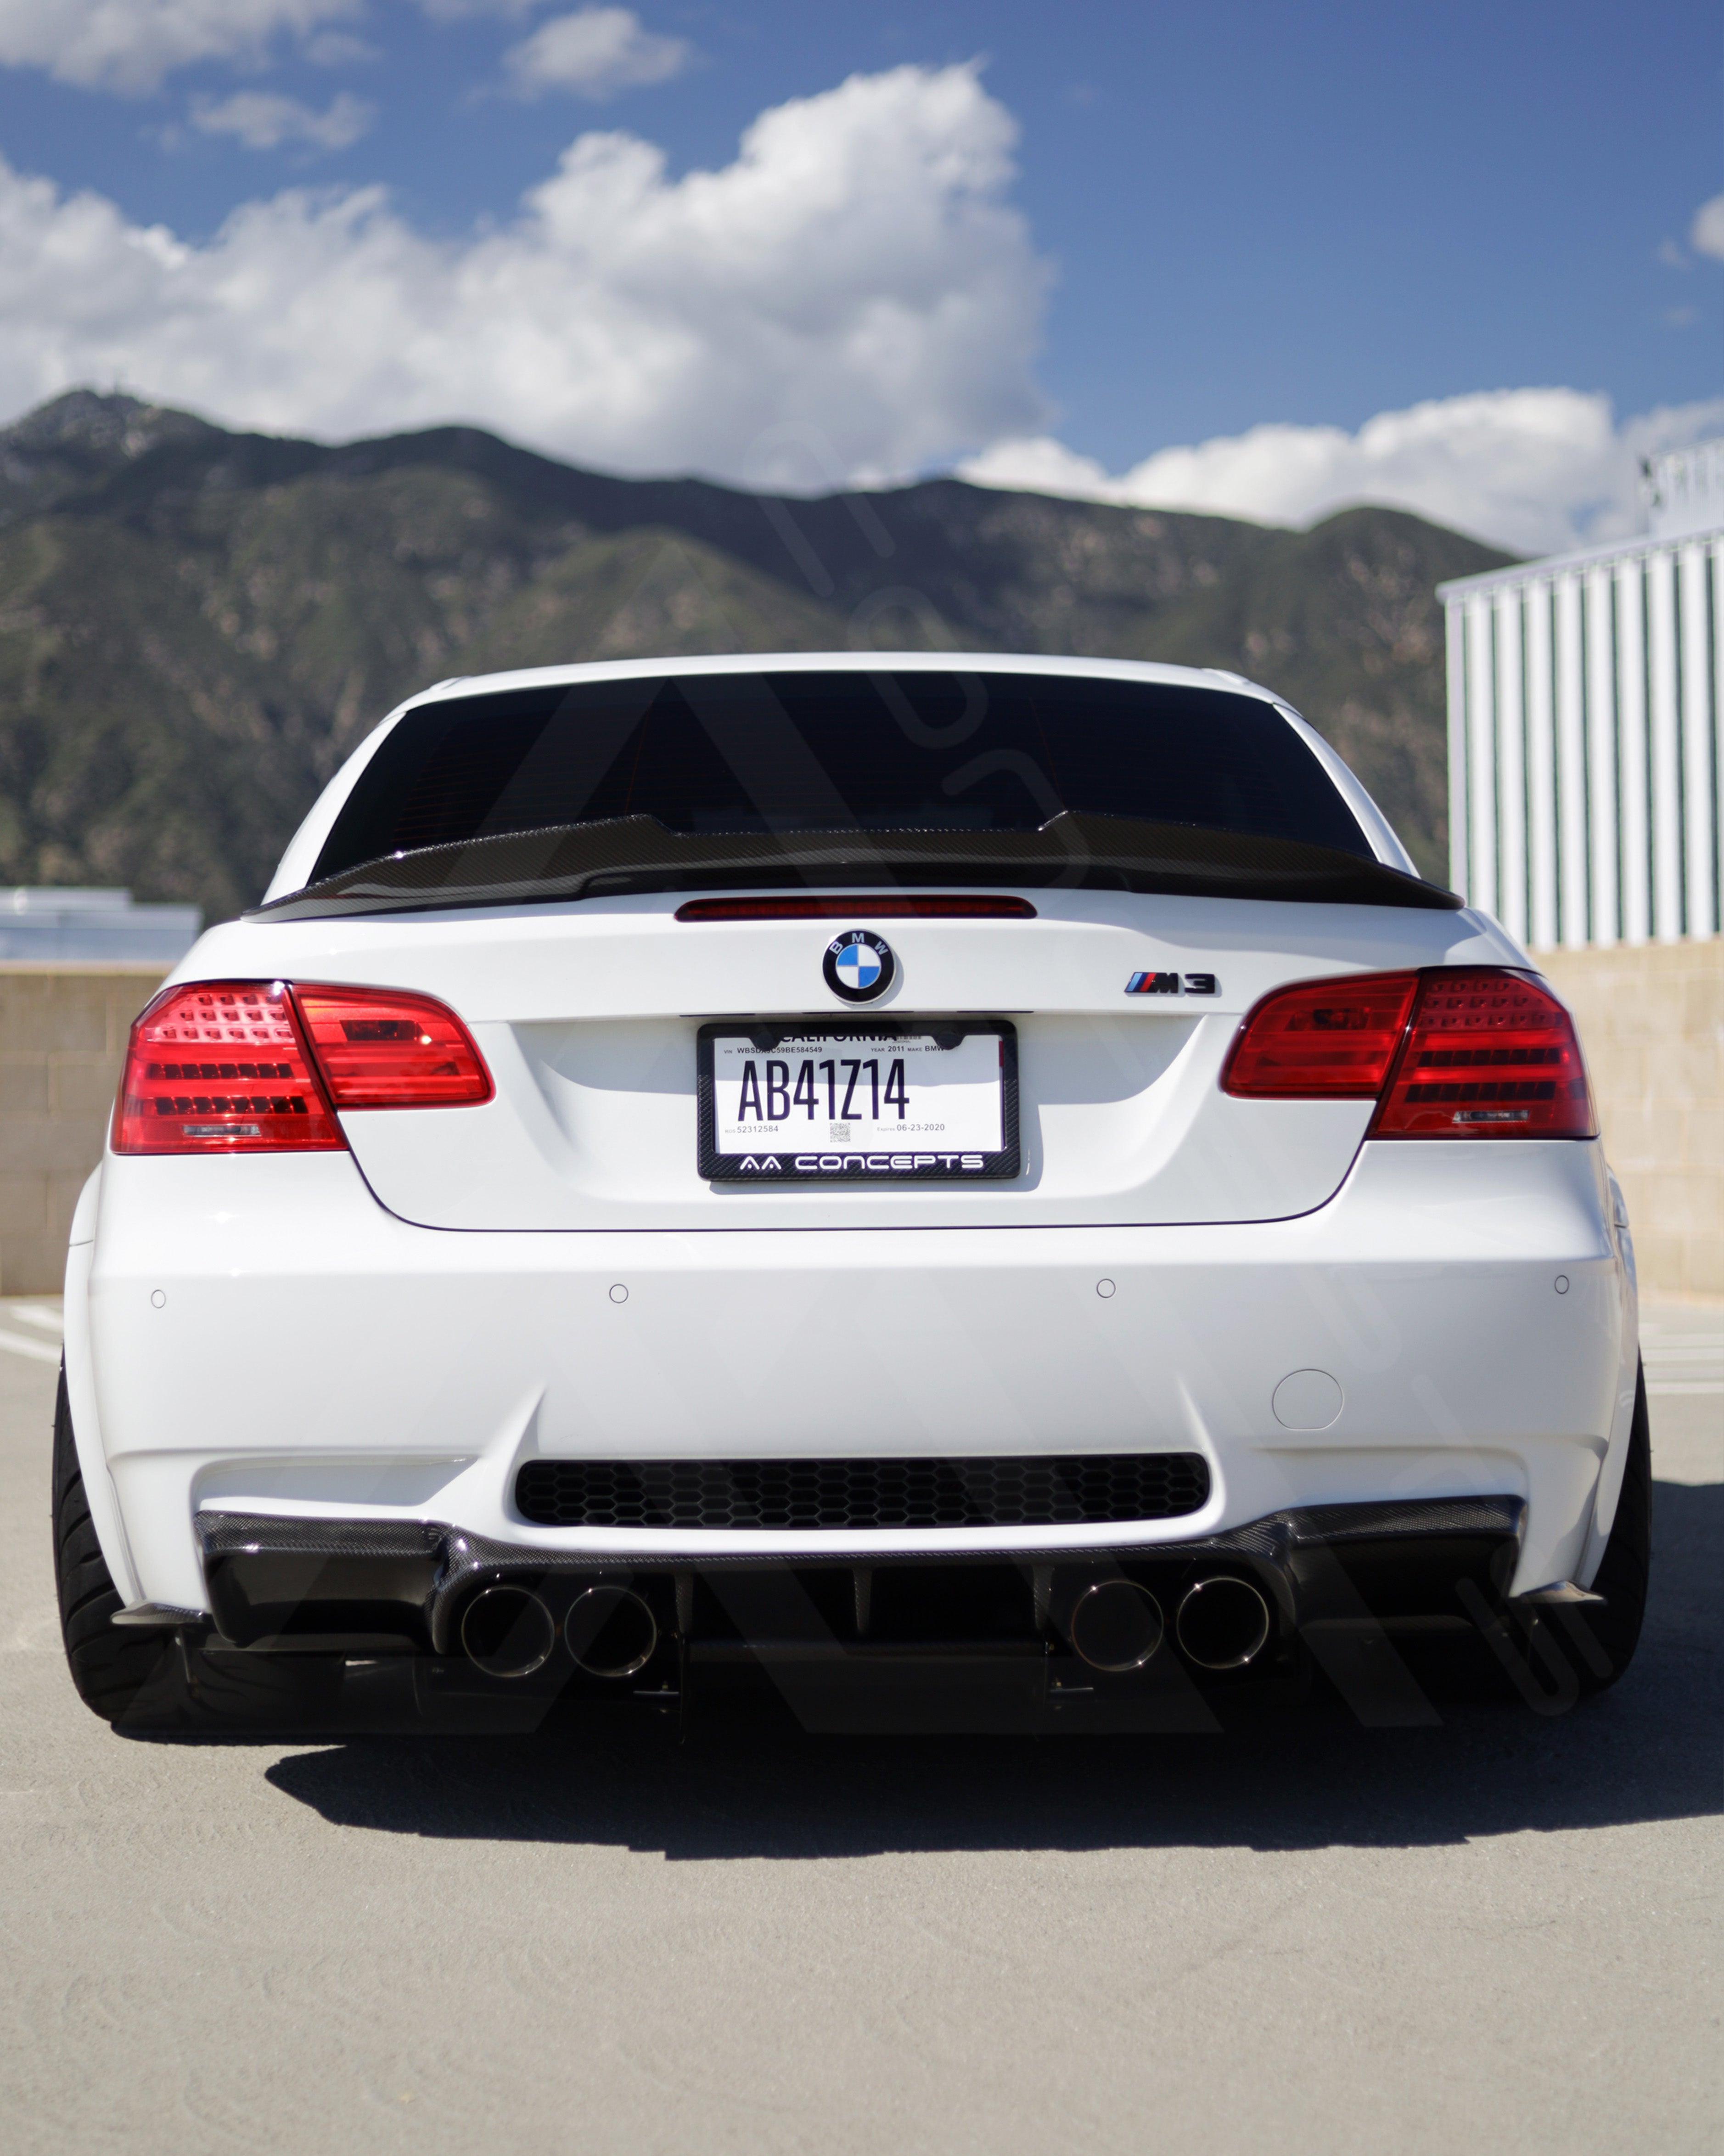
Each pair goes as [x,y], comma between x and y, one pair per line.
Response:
[257,1336]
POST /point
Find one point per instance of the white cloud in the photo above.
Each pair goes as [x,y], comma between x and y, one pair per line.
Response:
[1533,470]
[339,49]
[455,11]
[594,53]
[853,293]
[1037,464]
[1705,235]
[128,45]
[262,122]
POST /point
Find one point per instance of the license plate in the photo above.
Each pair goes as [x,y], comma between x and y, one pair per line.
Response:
[861,1102]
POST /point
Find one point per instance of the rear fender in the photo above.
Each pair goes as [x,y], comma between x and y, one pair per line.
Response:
[1610,1475]
[80,1392]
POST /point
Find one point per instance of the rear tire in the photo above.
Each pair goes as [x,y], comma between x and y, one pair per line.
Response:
[111,1664]
[126,1673]
[1553,1656]
[1571,1651]
[1625,1569]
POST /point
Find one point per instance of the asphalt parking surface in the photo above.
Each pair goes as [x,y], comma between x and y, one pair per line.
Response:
[1501,1931]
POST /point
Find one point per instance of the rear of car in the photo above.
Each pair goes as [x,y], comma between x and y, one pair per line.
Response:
[984,1189]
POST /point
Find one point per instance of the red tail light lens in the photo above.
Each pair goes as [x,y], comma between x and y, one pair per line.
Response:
[255,1067]
[378,1048]
[1479,1052]
[220,1066]
[1491,1053]
[1321,1040]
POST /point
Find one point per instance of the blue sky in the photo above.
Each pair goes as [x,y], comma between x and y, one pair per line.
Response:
[1173,224]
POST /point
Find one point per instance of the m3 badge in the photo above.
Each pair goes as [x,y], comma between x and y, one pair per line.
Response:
[1172,984]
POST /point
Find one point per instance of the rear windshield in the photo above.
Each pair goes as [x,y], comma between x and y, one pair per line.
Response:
[824,752]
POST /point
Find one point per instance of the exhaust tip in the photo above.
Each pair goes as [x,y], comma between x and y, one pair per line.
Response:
[1224,1623]
[1115,1625]
[611,1632]
[507,1631]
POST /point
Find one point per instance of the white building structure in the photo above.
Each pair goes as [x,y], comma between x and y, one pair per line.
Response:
[1586,788]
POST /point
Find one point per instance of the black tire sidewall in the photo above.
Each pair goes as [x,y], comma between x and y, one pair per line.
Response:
[159,1678]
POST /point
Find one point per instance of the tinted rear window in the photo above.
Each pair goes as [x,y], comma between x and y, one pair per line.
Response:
[821,751]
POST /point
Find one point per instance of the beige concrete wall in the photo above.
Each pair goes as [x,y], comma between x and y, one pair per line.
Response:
[1651,1020]
[63,1031]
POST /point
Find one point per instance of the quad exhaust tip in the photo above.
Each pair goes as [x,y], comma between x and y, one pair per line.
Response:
[1222,1622]
[1115,1625]
[507,1632]
[611,1632]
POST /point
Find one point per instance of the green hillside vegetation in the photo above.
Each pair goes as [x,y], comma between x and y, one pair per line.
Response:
[195,626]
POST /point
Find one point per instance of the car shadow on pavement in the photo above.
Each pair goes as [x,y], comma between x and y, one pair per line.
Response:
[756,1785]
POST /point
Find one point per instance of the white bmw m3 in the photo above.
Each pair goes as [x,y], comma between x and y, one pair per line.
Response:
[978,1192]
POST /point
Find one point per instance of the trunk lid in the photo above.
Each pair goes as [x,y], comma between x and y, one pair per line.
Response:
[589,1016]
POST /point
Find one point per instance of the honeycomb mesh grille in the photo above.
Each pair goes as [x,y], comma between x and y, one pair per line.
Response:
[1065,1489]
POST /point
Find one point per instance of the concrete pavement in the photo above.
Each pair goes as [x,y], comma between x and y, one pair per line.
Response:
[1501,1931]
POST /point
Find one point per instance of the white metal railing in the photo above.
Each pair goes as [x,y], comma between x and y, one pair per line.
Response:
[1586,788]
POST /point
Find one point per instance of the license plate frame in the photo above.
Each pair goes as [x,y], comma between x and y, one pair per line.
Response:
[830,1166]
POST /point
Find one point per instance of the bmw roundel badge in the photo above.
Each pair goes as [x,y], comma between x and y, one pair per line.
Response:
[858,966]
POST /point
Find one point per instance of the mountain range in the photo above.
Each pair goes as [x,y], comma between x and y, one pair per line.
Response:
[197,624]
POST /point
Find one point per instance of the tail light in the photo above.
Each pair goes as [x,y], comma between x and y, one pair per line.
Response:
[1490,1054]
[220,1066]
[1475,1052]
[379,1048]
[260,1066]
[1322,1041]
